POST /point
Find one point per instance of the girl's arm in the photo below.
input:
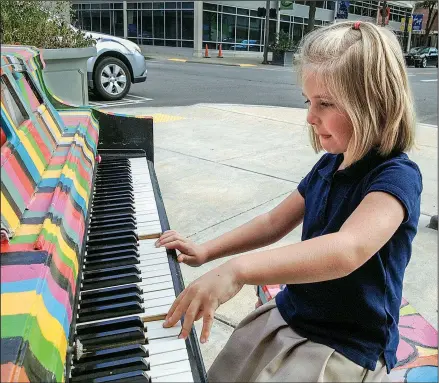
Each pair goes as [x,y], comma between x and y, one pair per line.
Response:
[330,256]
[260,231]
[327,257]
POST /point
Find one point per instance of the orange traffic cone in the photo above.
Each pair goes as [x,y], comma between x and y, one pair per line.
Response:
[206,53]
[220,52]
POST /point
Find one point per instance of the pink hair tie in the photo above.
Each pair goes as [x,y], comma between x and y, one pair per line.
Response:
[357,25]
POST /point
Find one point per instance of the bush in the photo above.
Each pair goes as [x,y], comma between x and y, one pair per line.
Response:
[36,23]
[283,43]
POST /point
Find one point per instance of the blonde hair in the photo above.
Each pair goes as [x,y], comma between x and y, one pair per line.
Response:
[364,72]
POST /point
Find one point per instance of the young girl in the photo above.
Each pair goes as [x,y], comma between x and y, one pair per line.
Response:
[337,319]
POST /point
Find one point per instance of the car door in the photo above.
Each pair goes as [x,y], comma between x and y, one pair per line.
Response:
[432,57]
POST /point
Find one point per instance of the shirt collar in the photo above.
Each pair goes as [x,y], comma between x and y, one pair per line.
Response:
[355,170]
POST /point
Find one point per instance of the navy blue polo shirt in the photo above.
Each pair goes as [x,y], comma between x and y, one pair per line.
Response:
[356,315]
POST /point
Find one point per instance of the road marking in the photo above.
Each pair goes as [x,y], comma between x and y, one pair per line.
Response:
[128,100]
[434,80]
[247,65]
[179,60]
[160,117]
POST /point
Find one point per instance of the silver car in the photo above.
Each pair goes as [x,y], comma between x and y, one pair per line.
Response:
[118,64]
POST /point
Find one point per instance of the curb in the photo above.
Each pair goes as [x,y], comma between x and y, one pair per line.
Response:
[212,62]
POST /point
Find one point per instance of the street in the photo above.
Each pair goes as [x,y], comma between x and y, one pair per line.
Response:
[177,83]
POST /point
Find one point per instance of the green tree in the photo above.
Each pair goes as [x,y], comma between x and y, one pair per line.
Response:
[34,23]
[431,6]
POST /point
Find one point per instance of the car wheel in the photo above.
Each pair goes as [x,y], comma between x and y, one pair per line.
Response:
[112,79]
[424,62]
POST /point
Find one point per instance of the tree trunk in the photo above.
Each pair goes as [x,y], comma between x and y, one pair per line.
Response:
[311,16]
[432,14]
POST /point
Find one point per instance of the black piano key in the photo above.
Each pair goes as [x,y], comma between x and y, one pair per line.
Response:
[104,242]
[110,271]
[111,262]
[109,233]
[108,311]
[123,374]
[127,362]
[112,207]
[114,213]
[115,186]
[117,298]
[127,377]
[125,289]
[113,352]
[111,247]
[129,249]
[96,222]
[109,325]
[112,280]
[112,226]
[113,201]
[113,338]
[100,195]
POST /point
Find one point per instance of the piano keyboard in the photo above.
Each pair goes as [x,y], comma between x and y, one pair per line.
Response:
[127,286]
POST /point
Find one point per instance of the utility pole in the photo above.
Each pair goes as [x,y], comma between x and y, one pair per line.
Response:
[406,28]
[277,19]
[410,32]
[267,20]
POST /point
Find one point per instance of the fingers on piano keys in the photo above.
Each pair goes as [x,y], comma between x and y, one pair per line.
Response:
[126,288]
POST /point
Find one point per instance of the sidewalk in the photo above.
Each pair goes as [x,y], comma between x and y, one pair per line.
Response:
[230,58]
[220,165]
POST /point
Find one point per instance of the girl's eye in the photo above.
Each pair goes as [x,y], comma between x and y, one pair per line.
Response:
[307,102]
[325,104]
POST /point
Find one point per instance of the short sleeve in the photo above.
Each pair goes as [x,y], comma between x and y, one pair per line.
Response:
[402,179]
[303,185]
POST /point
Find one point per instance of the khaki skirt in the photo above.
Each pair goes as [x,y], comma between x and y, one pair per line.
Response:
[263,348]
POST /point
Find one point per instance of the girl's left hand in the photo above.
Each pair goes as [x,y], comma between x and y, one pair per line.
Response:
[201,298]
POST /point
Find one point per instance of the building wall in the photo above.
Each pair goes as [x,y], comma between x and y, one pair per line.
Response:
[233,24]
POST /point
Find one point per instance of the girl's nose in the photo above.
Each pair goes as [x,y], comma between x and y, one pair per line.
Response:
[311,118]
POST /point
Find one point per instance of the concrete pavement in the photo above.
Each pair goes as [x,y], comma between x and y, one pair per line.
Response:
[221,165]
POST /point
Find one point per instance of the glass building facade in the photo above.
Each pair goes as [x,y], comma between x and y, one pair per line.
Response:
[235,25]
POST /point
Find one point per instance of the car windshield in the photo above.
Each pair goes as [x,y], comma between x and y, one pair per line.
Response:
[425,50]
[415,50]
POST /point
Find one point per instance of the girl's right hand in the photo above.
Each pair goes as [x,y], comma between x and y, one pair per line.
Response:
[191,253]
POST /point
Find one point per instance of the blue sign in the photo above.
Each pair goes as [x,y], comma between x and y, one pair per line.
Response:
[343,9]
[417,22]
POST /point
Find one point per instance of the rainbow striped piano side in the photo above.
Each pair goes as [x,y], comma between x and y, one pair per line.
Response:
[47,166]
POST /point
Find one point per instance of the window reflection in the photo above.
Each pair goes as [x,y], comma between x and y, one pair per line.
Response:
[171,23]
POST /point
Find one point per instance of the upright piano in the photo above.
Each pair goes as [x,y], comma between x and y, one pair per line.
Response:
[84,291]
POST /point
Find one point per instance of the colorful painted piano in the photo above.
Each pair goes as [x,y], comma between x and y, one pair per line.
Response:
[418,346]
[83,289]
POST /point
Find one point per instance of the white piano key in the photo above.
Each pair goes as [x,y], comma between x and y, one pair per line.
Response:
[168,357]
[145,218]
[177,378]
[154,262]
[163,301]
[157,286]
[159,267]
[155,273]
[155,335]
[169,369]
[153,280]
[158,348]
[144,253]
[159,294]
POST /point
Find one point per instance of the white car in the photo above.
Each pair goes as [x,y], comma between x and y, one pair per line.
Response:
[118,64]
